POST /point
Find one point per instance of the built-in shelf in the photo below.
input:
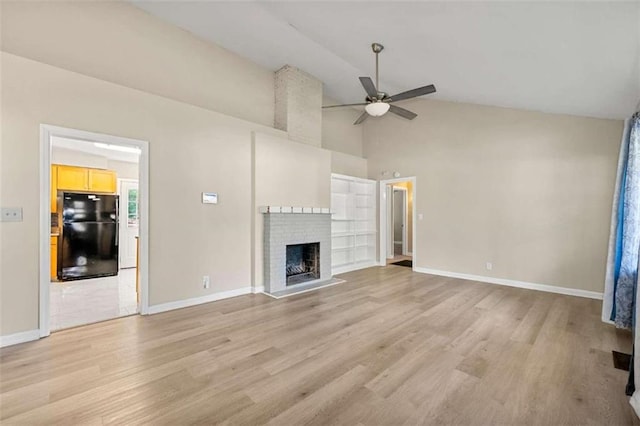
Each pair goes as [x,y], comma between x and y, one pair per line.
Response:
[353,204]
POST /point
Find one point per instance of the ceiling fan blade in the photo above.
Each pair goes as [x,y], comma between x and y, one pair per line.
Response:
[343,105]
[369,87]
[404,113]
[420,91]
[360,119]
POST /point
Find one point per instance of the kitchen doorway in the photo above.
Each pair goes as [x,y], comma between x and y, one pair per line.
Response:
[94,228]
[397,221]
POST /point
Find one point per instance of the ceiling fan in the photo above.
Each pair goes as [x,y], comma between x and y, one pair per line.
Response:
[377,103]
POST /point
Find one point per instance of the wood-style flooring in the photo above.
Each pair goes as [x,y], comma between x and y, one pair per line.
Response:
[388,347]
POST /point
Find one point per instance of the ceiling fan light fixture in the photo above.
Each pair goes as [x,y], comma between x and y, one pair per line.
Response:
[377,109]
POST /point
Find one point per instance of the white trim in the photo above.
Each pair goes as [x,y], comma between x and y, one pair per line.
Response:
[14,339]
[388,205]
[405,221]
[634,401]
[382,222]
[120,181]
[513,283]
[45,230]
[46,132]
[179,304]
[257,290]
[353,267]
[409,253]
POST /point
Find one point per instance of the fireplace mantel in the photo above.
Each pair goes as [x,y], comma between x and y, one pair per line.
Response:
[292,209]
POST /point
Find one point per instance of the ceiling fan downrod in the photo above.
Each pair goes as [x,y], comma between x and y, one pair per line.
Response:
[377,48]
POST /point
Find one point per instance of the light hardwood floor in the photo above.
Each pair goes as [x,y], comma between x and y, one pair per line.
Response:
[389,347]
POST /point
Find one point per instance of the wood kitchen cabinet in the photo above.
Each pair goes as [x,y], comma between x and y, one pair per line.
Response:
[71,178]
[54,258]
[102,180]
[54,189]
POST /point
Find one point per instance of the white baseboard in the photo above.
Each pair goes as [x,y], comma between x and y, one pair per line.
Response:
[353,267]
[169,306]
[14,339]
[513,283]
[257,290]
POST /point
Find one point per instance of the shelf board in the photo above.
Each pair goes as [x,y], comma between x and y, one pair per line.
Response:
[342,234]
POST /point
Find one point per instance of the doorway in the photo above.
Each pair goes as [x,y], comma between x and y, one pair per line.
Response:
[94,228]
[397,221]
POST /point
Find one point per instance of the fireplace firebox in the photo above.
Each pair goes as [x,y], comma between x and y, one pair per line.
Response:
[303,263]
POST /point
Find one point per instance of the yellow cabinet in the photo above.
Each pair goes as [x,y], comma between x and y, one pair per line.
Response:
[54,189]
[54,258]
[102,180]
[73,178]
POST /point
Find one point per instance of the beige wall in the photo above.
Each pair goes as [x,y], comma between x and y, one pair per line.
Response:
[123,169]
[117,42]
[287,174]
[349,165]
[527,191]
[191,150]
[338,132]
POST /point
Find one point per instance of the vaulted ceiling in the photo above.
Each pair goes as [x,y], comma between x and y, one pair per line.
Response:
[559,57]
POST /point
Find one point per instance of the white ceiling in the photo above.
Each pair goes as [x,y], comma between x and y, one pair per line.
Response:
[561,57]
[91,148]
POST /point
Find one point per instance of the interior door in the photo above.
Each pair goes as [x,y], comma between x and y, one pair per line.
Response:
[398,221]
[128,190]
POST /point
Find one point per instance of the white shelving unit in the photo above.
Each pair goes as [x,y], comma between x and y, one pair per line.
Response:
[353,223]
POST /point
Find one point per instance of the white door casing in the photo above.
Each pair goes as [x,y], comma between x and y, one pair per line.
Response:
[389,224]
[128,222]
[383,221]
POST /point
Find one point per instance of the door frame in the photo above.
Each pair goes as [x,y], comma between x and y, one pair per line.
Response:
[405,211]
[389,247]
[120,181]
[46,132]
[382,222]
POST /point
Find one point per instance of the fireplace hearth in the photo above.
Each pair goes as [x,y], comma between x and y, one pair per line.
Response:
[302,263]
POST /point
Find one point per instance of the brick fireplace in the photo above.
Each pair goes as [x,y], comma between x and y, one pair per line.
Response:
[297,248]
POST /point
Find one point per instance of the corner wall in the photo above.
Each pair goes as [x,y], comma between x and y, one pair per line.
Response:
[191,150]
[529,192]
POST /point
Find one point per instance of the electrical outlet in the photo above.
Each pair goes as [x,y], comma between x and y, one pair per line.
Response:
[489,266]
[206,281]
[11,214]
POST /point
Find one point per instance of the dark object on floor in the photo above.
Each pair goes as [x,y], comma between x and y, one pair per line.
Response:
[621,361]
[408,263]
[631,383]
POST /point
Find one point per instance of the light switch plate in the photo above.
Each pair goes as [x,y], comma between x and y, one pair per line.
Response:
[11,214]
[209,198]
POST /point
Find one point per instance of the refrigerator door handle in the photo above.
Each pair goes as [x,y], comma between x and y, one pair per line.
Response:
[117,219]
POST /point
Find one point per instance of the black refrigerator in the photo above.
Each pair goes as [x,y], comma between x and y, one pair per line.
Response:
[89,236]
